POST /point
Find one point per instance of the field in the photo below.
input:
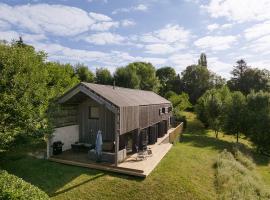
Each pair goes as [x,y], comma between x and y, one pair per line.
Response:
[186,172]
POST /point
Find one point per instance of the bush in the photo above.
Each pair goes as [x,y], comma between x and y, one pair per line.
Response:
[178,117]
[236,179]
[13,187]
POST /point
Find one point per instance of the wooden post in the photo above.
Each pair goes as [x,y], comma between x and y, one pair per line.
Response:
[117,133]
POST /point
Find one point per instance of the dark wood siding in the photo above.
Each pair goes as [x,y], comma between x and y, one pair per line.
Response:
[129,119]
[150,115]
[90,127]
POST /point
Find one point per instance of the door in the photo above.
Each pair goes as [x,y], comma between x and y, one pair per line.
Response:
[94,122]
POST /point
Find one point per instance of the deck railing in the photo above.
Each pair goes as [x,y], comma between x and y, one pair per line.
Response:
[176,133]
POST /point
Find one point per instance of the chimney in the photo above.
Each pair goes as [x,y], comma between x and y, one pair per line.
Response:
[114,84]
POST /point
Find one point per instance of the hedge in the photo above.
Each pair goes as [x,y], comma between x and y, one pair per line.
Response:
[13,187]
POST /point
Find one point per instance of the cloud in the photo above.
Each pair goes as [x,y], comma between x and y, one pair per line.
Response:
[212,27]
[219,67]
[28,38]
[59,20]
[104,26]
[260,45]
[104,38]
[239,10]
[215,43]
[139,7]
[257,30]
[166,40]
[52,19]
[100,17]
[127,22]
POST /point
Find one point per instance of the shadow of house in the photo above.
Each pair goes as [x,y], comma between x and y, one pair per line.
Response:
[50,176]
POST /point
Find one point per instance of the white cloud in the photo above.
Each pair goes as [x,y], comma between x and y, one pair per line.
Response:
[104,26]
[212,27]
[215,43]
[219,67]
[139,7]
[257,30]
[104,38]
[127,22]
[181,61]
[28,38]
[39,18]
[169,39]
[58,20]
[100,17]
[4,25]
[260,45]
[239,10]
[159,48]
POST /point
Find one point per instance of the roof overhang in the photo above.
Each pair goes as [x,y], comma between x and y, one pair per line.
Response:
[90,93]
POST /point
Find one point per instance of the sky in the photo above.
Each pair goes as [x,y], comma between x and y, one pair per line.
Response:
[113,33]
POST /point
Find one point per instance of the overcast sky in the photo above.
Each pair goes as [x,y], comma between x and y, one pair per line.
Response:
[112,33]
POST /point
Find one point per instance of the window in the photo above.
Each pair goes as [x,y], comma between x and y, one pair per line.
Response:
[163,110]
[169,109]
[93,113]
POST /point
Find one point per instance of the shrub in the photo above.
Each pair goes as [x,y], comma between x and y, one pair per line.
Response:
[236,181]
[178,117]
[13,187]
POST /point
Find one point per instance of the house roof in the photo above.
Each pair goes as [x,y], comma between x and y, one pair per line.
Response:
[122,97]
[126,97]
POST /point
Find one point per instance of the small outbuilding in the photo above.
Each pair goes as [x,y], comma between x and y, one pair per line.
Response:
[127,118]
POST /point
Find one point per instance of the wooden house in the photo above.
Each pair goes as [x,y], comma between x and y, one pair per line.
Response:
[123,115]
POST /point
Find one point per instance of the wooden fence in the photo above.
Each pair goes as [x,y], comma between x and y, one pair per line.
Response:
[176,133]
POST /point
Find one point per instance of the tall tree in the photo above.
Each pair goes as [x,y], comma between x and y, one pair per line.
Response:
[84,74]
[235,114]
[258,120]
[246,79]
[23,94]
[203,60]
[137,75]
[103,76]
[196,80]
[127,77]
[167,76]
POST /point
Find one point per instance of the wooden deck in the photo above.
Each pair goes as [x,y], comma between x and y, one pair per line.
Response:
[131,166]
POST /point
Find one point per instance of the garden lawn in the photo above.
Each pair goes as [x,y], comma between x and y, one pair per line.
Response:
[186,172]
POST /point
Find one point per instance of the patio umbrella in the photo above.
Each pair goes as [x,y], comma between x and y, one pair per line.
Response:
[99,145]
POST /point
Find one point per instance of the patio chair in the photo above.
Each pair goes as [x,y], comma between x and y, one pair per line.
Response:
[144,153]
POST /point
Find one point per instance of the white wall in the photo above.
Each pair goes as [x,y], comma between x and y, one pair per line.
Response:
[68,135]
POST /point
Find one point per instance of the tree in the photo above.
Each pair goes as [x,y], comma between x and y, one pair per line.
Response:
[195,80]
[137,75]
[202,61]
[103,76]
[211,108]
[235,114]
[23,94]
[61,78]
[147,75]
[180,102]
[246,79]
[166,76]
[84,74]
[28,87]
[258,120]
[126,77]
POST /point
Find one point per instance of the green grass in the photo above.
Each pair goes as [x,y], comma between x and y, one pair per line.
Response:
[186,172]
